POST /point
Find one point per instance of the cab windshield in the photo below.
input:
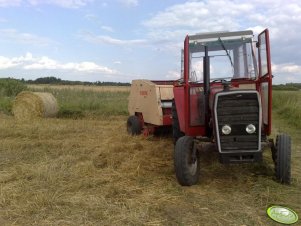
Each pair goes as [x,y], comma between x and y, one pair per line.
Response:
[230,58]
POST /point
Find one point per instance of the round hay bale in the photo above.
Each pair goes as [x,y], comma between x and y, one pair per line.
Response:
[28,105]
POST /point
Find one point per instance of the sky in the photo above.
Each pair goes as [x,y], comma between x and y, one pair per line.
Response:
[122,40]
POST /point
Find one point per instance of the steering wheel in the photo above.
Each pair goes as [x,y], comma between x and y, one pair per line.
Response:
[223,81]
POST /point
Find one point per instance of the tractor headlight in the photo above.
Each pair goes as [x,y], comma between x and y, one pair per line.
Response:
[226,129]
[250,129]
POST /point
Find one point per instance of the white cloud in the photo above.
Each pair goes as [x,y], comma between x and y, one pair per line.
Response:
[90,67]
[169,27]
[286,68]
[173,75]
[180,19]
[13,35]
[130,3]
[94,18]
[28,62]
[286,73]
[200,16]
[8,3]
[42,63]
[61,3]
[104,39]
[107,28]
[6,63]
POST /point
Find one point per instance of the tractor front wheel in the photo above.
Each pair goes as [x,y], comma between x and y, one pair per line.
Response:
[282,158]
[187,164]
[133,125]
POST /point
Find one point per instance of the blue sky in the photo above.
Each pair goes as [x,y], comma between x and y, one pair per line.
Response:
[121,40]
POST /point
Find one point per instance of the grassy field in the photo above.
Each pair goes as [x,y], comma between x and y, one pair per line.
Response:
[88,171]
[81,88]
[87,101]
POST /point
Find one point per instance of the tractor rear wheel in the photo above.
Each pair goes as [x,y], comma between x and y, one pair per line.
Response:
[282,157]
[133,125]
[176,132]
[187,164]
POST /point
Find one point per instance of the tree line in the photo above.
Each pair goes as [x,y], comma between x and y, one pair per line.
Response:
[288,86]
[5,82]
[58,81]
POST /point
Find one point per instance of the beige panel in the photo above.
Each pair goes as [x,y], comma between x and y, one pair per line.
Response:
[166,92]
[247,86]
[145,97]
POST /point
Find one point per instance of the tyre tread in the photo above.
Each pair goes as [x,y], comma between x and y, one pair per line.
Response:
[183,174]
[283,158]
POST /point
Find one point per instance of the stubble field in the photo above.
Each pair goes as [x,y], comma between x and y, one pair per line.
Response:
[82,168]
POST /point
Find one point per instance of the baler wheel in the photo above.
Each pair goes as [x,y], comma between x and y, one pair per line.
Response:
[133,125]
[187,163]
[282,158]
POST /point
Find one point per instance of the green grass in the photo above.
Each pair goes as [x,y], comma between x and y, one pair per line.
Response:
[9,88]
[287,104]
[92,103]
[6,104]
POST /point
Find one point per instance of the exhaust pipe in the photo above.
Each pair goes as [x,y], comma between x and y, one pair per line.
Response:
[206,79]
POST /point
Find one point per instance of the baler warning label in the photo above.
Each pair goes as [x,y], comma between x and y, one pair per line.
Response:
[143,93]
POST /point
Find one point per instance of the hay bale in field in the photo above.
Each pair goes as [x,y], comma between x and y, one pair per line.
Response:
[28,105]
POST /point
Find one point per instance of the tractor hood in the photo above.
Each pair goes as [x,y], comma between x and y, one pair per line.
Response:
[217,88]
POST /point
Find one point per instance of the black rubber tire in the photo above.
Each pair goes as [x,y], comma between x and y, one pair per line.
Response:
[176,132]
[187,172]
[283,158]
[133,125]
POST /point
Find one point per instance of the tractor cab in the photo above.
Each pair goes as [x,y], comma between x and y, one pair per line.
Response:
[231,55]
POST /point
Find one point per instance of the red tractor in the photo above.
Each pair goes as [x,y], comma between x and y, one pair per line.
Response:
[225,97]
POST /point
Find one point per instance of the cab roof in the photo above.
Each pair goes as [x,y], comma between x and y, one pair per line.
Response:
[222,34]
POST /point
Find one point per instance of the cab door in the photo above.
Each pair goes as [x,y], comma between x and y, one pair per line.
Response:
[265,79]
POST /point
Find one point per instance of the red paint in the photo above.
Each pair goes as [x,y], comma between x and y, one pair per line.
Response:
[143,93]
[150,129]
[167,116]
[186,85]
[196,131]
[140,116]
[167,120]
[194,109]
[184,113]
[179,100]
[266,78]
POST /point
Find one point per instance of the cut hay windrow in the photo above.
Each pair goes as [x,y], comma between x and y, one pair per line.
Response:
[29,105]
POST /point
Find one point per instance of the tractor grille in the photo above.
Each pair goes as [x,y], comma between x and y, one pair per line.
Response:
[237,109]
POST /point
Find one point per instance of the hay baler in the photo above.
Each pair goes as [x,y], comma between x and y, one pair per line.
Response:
[149,106]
